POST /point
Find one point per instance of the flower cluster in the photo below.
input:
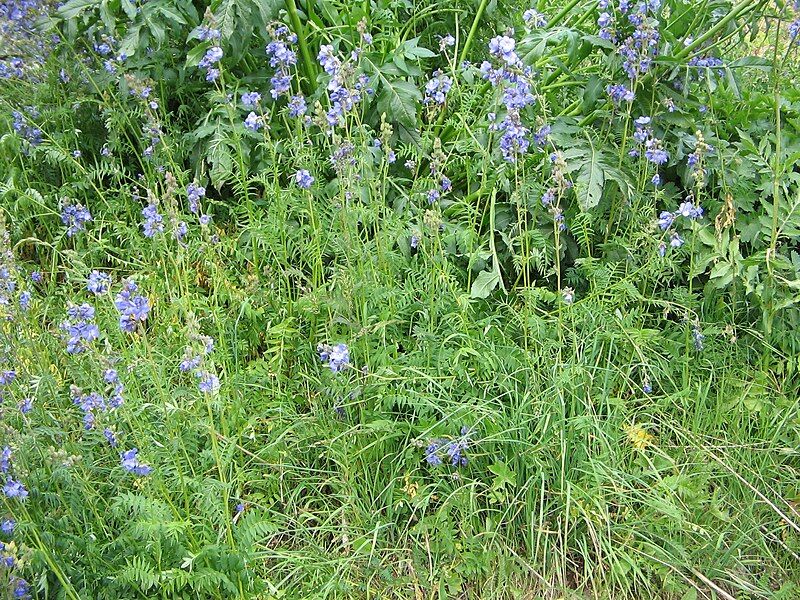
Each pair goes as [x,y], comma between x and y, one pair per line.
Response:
[686,210]
[209,61]
[80,327]
[337,357]
[133,308]
[193,356]
[345,87]
[619,93]
[75,217]
[93,403]
[633,27]
[194,193]
[8,559]
[132,464]
[514,79]
[695,160]
[281,58]
[437,87]
[303,179]
[11,488]
[653,147]
[440,449]
[153,220]
[98,282]
[20,124]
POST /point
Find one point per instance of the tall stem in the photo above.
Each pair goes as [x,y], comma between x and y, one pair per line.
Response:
[308,63]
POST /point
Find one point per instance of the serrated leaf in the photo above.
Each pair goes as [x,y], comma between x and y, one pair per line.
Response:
[589,184]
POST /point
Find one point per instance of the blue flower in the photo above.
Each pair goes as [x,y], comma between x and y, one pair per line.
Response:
[25,300]
[437,87]
[209,383]
[21,587]
[337,357]
[297,106]
[503,47]
[252,122]
[7,526]
[130,463]
[195,192]
[534,18]
[98,283]
[665,220]
[111,437]
[303,179]
[80,327]
[133,309]
[75,217]
[26,406]
[5,459]
[14,489]
[153,221]
[250,99]
[620,93]
[190,362]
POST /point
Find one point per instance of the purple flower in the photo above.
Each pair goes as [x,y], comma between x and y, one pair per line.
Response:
[132,308]
[534,18]
[297,106]
[303,179]
[665,220]
[209,383]
[437,87]
[21,587]
[252,122]
[337,357]
[80,327]
[675,240]
[250,99]
[503,47]
[75,217]
[194,193]
[213,55]
[5,459]
[14,489]
[111,437]
[620,93]
[205,220]
[7,526]
[98,283]
[25,300]
[36,276]
[130,463]
[153,221]
[26,406]
[189,363]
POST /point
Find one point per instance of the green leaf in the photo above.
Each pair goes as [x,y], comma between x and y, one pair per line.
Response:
[73,8]
[398,99]
[484,284]
[589,184]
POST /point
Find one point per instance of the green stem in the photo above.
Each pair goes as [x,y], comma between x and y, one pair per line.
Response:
[308,64]
[740,9]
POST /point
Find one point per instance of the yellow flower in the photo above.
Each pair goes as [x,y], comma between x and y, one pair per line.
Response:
[638,436]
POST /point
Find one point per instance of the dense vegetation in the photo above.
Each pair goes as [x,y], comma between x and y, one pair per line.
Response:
[400,299]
